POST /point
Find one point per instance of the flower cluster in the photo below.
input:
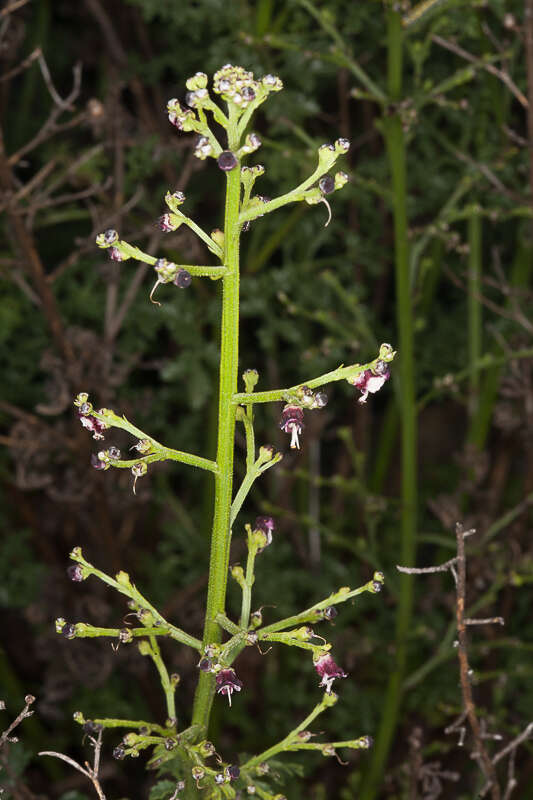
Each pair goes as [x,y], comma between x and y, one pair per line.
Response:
[292,415]
[87,418]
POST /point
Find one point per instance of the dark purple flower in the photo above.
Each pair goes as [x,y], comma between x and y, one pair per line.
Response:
[92,424]
[97,463]
[330,612]
[119,753]
[292,422]
[75,573]
[265,524]
[115,254]
[165,223]
[183,279]
[227,682]
[69,631]
[114,453]
[326,184]
[227,160]
[328,671]
[232,772]
[371,380]
[205,664]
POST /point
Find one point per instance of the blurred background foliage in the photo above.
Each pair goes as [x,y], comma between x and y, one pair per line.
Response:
[312,298]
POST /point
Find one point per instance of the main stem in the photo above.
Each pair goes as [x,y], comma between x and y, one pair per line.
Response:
[229,358]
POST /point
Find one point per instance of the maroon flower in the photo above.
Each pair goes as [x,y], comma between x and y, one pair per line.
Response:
[92,424]
[97,462]
[292,422]
[227,682]
[371,380]
[115,254]
[166,224]
[328,671]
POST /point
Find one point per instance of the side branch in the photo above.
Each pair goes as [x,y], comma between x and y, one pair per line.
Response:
[341,373]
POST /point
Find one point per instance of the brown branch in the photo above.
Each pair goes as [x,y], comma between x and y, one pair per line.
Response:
[5,736]
[504,77]
[22,66]
[464,668]
[90,772]
[33,262]
[12,7]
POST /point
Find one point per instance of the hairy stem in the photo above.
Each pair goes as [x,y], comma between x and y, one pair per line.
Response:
[229,354]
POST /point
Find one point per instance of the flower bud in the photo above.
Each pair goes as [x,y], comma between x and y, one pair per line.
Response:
[218,237]
[326,184]
[107,238]
[330,612]
[203,148]
[227,160]
[205,664]
[170,744]
[342,145]
[256,619]
[198,81]
[75,573]
[250,378]
[183,279]
[341,179]
[119,753]
[326,156]
[232,772]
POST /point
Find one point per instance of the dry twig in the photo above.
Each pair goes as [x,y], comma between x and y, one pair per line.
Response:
[487,763]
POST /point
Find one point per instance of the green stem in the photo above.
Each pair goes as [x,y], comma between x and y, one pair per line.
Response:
[166,683]
[248,583]
[475,320]
[326,702]
[396,151]
[219,558]
[339,374]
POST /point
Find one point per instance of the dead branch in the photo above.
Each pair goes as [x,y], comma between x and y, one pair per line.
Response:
[90,772]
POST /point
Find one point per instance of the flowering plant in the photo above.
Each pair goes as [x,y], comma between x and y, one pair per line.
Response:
[186,752]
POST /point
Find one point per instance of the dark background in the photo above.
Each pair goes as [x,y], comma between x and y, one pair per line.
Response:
[312,298]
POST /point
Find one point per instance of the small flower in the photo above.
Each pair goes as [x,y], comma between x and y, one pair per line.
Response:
[205,664]
[371,380]
[219,778]
[227,682]
[292,422]
[138,470]
[113,453]
[227,160]
[330,612]
[119,753]
[92,424]
[115,254]
[75,573]
[265,525]
[232,772]
[99,463]
[166,223]
[183,279]
[327,184]
[328,671]
[203,148]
